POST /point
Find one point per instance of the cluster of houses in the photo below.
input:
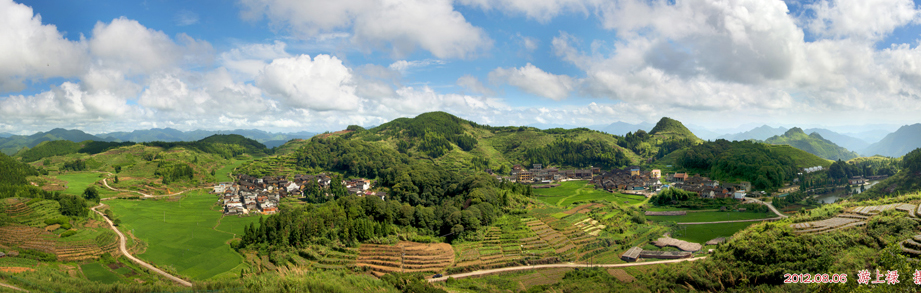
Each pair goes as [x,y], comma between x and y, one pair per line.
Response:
[707,188]
[629,179]
[538,174]
[261,195]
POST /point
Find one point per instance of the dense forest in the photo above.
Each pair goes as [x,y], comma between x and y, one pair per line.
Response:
[648,146]
[566,152]
[224,145]
[754,162]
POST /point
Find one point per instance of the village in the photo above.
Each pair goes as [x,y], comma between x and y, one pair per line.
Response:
[250,195]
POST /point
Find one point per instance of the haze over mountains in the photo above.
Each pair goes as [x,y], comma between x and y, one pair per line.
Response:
[14,143]
[893,144]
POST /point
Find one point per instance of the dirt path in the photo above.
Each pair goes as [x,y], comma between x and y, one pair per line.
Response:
[12,287]
[121,246]
[769,205]
[550,266]
[733,221]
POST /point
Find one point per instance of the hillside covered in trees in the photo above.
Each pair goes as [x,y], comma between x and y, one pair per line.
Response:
[813,143]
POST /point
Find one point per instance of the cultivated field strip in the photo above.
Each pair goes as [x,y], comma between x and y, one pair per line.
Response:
[41,240]
[405,257]
[853,217]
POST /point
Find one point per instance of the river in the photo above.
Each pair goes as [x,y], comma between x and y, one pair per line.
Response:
[831,198]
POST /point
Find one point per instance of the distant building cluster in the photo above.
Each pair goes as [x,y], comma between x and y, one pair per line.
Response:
[628,179]
[261,195]
[538,174]
[707,188]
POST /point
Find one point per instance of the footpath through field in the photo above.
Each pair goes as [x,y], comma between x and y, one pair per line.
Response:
[144,194]
[121,246]
[12,287]
[550,266]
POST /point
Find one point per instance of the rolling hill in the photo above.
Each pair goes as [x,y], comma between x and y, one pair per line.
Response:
[14,144]
[813,143]
[898,143]
[270,139]
[672,129]
[843,140]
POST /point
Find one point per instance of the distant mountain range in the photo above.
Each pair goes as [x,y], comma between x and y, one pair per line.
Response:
[898,143]
[270,139]
[759,133]
[813,143]
[4,135]
[843,140]
[14,143]
[11,145]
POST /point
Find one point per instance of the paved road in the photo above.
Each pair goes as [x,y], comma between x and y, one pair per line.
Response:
[121,246]
[733,221]
[550,266]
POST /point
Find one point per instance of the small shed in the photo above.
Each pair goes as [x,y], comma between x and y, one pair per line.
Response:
[632,255]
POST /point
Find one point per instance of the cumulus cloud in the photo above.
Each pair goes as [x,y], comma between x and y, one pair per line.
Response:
[535,81]
[250,59]
[398,25]
[473,84]
[127,45]
[185,17]
[65,102]
[30,49]
[864,20]
[320,84]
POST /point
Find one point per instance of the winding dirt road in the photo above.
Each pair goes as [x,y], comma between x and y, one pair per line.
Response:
[550,266]
[769,205]
[121,246]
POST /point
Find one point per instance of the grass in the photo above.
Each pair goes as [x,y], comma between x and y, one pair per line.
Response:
[236,225]
[186,240]
[711,217]
[703,233]
[223,174]
[96,272]
[78,182]
[571,192]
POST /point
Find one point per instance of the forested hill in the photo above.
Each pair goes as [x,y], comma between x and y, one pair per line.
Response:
[13,172]
[672,128]
[225,145]
[449,141]
[765,166]
[898,143]
[813,143]
[13,144]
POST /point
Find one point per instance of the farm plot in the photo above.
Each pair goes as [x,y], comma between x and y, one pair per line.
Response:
[571,192]
[692,217]
[41,240]
[78,182]
[96,272]
[180,234]
[405,257]
[707,232]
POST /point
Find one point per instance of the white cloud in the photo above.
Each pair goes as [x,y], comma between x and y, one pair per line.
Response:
[403,66]
[29,49]
[473,84]
[127,45]
[185,18]
[67,102]
[389,24]
[320,84]
[535,81]
[863,20]
[528,43]
[250,59]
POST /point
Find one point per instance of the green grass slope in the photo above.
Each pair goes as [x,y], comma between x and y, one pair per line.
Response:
[813,144]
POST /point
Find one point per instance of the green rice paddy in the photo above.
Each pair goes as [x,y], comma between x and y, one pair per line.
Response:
[692,217]
[96,272]
[78,182]
[181,235]
[703,233]
[571,192]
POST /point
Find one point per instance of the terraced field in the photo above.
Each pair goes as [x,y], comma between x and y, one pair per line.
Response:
[38,239]
[852,217]
[405,257]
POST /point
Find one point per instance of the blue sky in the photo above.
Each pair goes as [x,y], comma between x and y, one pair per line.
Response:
[291,65]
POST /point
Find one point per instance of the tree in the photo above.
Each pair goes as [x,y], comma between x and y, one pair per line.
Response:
[912,161]
[91,194]
[118,169]
[116,179]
